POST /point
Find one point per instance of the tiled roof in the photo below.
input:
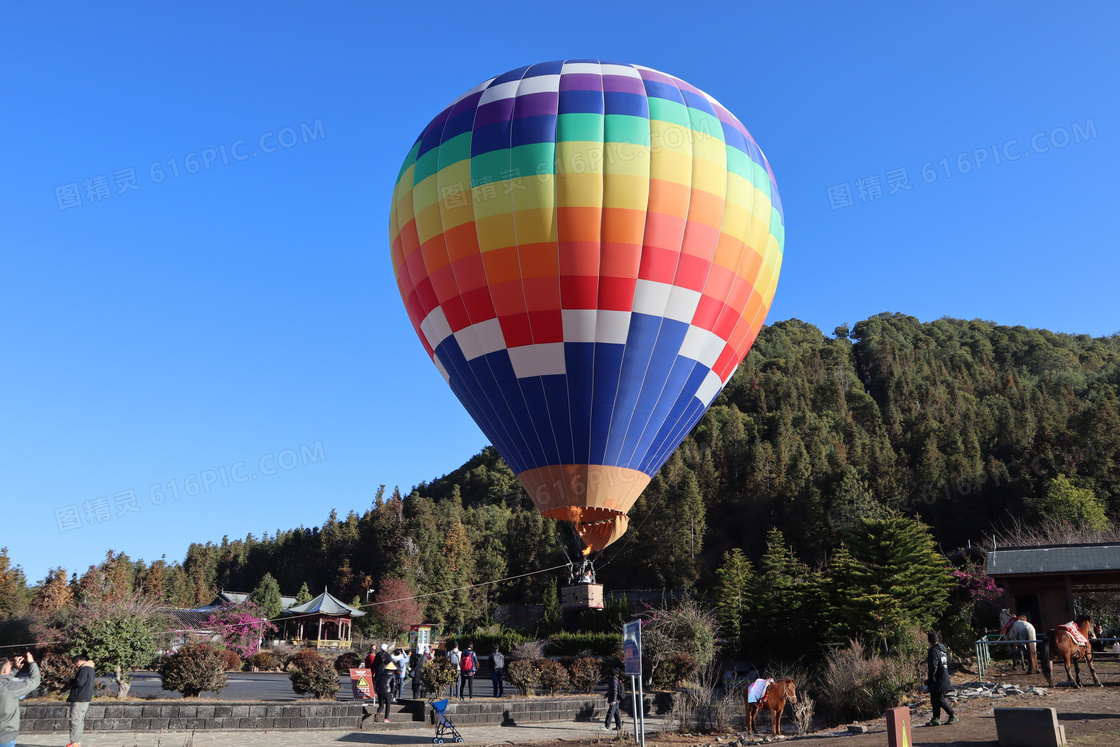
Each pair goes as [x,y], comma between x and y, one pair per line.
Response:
[1054,559]
[180,620]
[324,604]
[237,597]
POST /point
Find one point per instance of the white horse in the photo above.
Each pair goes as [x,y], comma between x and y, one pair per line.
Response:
[1018,629]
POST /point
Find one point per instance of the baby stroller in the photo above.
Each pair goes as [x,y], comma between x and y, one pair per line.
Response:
[443,724]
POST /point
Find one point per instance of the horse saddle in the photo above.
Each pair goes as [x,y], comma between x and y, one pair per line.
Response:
[1074,633]
[756,691]
[1012,621]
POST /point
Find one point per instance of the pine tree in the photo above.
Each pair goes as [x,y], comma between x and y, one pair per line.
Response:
[896,577]
[13,587]
[267,597]
[733,596]
[552,613]
[53,594]
[303,596]
[790,603]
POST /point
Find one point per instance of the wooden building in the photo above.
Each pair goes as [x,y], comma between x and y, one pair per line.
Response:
[1044,582]
[325,616]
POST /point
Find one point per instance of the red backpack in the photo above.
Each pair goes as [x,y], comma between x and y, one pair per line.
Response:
[466,663]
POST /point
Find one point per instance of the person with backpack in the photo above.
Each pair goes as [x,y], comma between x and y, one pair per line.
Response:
[383,686]
[468,667]
[938,681]
[497,667]
[453,657]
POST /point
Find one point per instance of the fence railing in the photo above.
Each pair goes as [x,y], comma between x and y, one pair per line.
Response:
[983,651]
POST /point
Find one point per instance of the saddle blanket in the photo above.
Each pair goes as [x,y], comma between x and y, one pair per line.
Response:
[757,690]
[1011,622]
[1074,633]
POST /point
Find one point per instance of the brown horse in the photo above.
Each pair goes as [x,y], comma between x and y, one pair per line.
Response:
[1061,643]
[774,700]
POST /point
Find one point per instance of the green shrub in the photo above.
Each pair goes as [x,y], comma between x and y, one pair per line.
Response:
[303,659]
[319,678]
[231,662]
[525,674]
[194,669]
[553,676]
[265,661]
[437,675]
[578,644]
[345,662]
[484,641]
[584,673]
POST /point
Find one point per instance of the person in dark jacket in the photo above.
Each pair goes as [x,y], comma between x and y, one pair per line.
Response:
[381,658]
[81,693]
[12,688]
[383,685]
[614,700]
[497,668]
[416,663]
[938,681]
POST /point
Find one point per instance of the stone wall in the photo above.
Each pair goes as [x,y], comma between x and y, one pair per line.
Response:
[177,716]
[313,714]
[517,711]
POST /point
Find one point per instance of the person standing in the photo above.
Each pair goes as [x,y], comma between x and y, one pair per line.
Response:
[468,667]
[13,688]
[938,680]
[381,659]
[383,685]
[81,693]
[614,700]
[453,657]
[400,658]
[497,666]
[416,664]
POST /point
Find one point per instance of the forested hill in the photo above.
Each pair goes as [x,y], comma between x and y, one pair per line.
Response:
[959,422]
[962,423]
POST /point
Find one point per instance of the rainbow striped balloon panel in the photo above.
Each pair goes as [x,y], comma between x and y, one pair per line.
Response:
[587,251]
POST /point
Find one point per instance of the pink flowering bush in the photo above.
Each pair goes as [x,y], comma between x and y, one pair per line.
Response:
[241,627]
[973,608]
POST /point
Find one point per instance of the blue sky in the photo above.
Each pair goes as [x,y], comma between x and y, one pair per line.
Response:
[242,319]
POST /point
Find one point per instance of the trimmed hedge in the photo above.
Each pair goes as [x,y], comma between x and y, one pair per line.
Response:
[575,644]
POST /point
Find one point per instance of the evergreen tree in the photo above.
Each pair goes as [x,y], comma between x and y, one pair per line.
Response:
[53,594]
[267,597]
[13,587]
[552,613]
[893,578]
[788,614]
[303,596]
[733,596]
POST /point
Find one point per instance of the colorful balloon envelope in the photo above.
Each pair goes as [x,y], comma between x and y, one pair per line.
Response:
[587,251]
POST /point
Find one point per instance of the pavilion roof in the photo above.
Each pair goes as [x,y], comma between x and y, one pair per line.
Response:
[324,604]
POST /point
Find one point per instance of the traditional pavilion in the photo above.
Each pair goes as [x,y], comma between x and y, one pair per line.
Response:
[329,618]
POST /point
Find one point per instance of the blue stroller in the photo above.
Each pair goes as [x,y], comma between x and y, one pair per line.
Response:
[443,724]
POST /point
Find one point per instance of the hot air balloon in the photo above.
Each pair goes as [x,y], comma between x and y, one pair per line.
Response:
[586,251]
